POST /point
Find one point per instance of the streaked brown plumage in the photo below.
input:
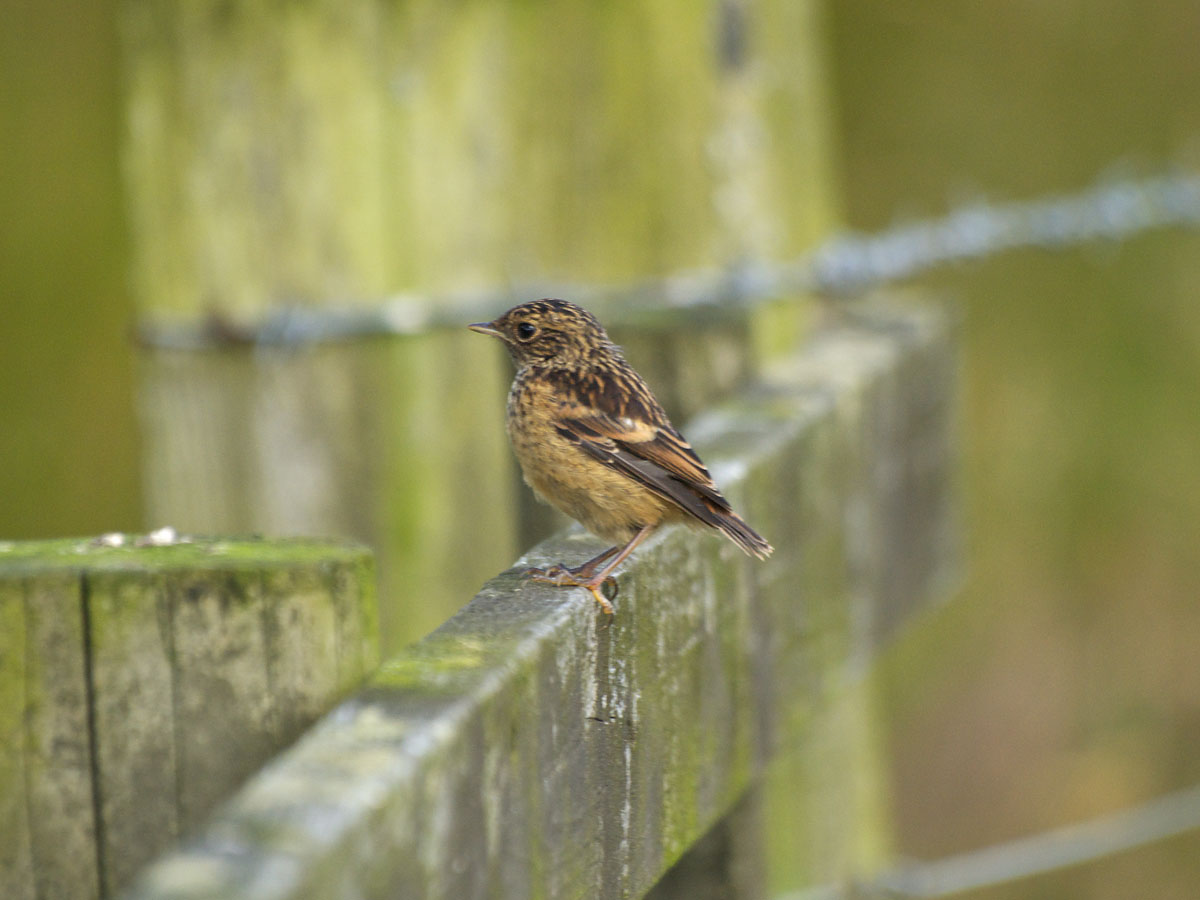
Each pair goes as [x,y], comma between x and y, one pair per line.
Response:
[593,442]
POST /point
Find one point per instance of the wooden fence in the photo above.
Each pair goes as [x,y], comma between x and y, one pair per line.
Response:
[334,159]
[140,685]
[717,729]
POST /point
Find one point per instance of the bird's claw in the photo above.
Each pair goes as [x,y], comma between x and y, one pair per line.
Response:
[557,574]
[600,598]
[561,576]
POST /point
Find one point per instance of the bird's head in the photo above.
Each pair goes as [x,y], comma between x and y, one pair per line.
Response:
[548,331]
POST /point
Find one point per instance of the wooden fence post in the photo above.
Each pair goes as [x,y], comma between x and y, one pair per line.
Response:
[139,685]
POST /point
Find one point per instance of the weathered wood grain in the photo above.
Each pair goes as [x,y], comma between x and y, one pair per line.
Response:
[58,741]
[140,685]
[16,858]
[133,711]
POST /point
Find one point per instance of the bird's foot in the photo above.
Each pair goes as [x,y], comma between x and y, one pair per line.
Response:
[561,576]
[557,574]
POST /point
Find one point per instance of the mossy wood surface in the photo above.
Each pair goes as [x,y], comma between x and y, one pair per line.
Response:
[533,747]
[140,685]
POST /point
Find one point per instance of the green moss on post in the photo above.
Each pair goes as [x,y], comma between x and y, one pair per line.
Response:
[47,845]
[137,766]
[58,752]
[300,645]
[139,685]
[16,863]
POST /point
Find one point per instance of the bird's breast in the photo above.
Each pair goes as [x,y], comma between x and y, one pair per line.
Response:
[546,457]
[607,502]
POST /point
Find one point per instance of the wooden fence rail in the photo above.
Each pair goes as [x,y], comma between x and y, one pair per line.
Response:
[717,724]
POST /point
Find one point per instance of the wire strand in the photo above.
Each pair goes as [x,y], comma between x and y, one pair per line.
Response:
[845,264]
[1060,848]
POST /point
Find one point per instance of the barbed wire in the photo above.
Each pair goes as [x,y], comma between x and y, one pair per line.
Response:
[847,263]
[1060,848]
[1110,211]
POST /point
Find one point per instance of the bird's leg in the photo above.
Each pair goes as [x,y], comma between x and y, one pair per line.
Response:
[585,575]
[584,571]
[597,580]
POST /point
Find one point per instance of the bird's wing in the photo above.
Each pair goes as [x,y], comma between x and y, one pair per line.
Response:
[616,420]
[613,417]
[656,456]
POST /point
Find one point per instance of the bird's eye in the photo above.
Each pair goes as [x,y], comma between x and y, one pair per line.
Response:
[526,330]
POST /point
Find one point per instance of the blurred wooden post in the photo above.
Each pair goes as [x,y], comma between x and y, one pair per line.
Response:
[396,442]
[332,155]
[140,685]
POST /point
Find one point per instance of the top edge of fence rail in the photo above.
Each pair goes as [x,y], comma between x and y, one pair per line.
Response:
[160,551]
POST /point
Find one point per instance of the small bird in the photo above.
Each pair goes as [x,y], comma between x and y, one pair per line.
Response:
[593,442]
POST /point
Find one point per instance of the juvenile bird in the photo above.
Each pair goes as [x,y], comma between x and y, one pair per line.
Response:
[594,443]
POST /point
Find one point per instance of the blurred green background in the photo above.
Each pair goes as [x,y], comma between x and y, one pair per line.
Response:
[1064,680]
[68,440]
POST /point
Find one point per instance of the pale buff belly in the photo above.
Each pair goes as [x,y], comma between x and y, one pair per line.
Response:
[604,501]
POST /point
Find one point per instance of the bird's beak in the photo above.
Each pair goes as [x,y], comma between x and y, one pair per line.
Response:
[485,328]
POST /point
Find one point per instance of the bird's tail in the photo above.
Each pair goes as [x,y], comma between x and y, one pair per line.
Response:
[734,527]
